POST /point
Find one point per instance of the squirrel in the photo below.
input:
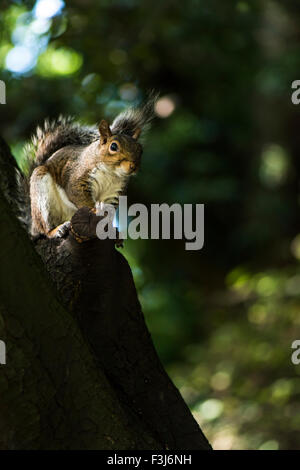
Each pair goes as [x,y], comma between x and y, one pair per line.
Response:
[70,166]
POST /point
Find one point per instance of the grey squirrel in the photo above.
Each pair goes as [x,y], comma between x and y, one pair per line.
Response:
[71,166]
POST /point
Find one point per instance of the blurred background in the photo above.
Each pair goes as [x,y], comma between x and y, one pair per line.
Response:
[226,135]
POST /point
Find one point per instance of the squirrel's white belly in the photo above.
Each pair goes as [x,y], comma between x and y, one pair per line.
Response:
[106,185]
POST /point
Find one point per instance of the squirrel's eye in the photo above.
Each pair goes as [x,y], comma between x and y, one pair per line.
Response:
[114,147]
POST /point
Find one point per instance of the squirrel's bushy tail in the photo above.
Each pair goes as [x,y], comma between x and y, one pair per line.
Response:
[55,135]
[132,119]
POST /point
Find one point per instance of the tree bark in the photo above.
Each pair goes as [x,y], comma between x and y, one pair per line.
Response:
[81,369]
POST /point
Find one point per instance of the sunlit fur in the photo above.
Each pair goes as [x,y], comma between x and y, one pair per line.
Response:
[69,165]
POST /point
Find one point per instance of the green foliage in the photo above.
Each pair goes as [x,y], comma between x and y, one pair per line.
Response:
[223,319]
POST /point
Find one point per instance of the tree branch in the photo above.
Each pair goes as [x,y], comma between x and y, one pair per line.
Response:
[81,368]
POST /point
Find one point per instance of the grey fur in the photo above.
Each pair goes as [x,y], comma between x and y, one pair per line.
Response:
[132,119]
[23,200]
[47,140]
[64,131]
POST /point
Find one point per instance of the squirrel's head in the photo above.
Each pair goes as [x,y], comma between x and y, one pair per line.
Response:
[120,151]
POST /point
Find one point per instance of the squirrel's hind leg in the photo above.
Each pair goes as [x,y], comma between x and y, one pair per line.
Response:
[47,207]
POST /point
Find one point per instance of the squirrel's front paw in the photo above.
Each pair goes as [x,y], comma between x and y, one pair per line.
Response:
[63,230]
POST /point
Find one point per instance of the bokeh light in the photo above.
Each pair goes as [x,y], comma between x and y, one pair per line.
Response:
[48,8]
[164,107]
[62,61]
[20,59]
[274,165]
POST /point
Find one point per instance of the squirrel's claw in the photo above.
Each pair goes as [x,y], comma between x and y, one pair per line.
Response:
[63,230]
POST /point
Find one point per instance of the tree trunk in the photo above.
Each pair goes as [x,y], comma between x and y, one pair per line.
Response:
[81,371]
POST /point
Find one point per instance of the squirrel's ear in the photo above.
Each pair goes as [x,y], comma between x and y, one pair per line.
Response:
[105,131]
[137,133]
